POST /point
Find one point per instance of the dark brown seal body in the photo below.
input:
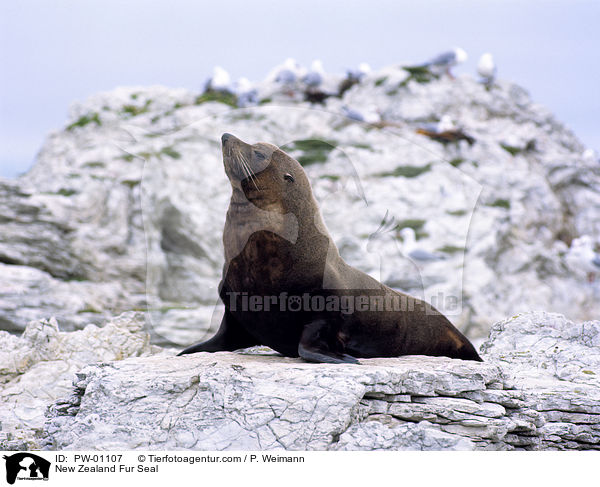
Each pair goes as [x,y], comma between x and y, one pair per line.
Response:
[285,285]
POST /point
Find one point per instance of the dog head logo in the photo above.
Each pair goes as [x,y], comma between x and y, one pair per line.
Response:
[26,466]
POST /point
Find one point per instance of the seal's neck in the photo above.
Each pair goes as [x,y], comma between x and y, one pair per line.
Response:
[244,218]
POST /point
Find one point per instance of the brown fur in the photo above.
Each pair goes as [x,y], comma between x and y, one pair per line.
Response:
[276,242]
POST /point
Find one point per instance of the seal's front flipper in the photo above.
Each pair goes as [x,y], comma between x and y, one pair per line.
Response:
[315,355]
[315,347]
[231,336]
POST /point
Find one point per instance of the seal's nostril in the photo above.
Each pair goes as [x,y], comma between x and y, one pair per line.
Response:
[224,137]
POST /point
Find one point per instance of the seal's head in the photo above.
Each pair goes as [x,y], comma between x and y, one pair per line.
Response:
[266,177]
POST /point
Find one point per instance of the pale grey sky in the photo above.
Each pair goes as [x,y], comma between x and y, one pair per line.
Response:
[53,52]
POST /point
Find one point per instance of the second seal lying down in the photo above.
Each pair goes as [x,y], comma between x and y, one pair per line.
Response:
[285,285]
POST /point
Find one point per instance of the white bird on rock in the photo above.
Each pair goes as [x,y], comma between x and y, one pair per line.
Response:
[446,123]
[582,257]
[245,92]
[220,81]
[353,77]
[367,116]
[315,75]
[443,62]
[358,73]
[486,68]
[411,249]
[288,73]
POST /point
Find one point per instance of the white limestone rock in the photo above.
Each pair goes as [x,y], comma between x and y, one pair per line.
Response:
[235,401]
[38,367]
[547,344]
[262,401]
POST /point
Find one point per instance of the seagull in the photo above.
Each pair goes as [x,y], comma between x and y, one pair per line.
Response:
[220,81]
[353,77]
[371,116]
[443,62]
[487,69]
[388,224]
[245,92]
[590,155]
[445,123]
[359,73]
[313,92]
[288,73]
[413,251]
[314,77]
[582,257]
[353,114]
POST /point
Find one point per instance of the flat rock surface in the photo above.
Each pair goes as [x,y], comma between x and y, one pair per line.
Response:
[233,401]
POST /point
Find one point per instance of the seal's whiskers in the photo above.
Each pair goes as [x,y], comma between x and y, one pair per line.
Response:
[249,171]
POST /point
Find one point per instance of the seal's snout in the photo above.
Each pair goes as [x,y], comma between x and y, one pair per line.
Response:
[225,137]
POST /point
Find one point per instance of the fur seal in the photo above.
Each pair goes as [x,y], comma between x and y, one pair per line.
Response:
[285,285]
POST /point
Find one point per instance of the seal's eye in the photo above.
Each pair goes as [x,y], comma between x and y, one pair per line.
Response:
[259,156]
[288,177]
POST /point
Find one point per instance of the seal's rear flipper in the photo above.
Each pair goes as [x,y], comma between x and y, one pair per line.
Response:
[231,336]
[313,346]
[469,353]
[466,350]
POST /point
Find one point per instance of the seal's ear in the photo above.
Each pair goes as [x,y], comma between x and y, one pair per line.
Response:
[288,177]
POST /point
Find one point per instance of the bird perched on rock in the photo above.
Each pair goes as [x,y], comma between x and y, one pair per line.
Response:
[287,73]
[353,77]
[446,123]
[367,116]
[443,62]
[314,77]
[245,92]
[486,68]
[590,155]
[286,78]
[360,72]
[582,257]
[313,80]
[220,81]
[411,249]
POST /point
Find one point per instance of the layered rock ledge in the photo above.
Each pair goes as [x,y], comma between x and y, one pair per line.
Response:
[538,389]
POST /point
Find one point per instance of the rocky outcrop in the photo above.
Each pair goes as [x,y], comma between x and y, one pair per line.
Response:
[125,206]
[124,210]
[38,368]
[537,389]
